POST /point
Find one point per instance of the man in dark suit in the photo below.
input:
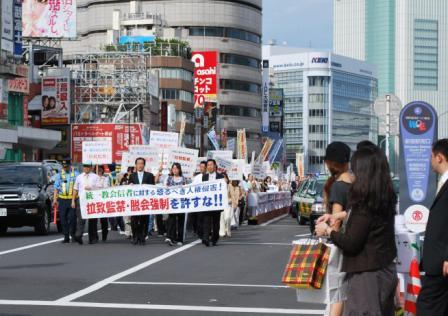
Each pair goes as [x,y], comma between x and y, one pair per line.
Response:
[433,298]
[211,220]
[139,224]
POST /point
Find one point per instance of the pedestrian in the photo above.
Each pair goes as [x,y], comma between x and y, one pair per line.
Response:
[211,220]
[87,180]
[235,194]
[63,194]
[336,188]
[140,223]
[368,240]
[226,214]
[103,182]
[127,219]
[197,217]
[176,222]
[433,297]
[265,185]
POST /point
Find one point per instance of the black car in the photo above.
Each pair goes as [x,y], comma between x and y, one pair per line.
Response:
[26,196]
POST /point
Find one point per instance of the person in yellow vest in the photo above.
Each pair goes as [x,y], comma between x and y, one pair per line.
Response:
[63,193]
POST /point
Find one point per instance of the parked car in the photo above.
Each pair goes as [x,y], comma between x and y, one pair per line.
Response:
[309,200]
[26,196]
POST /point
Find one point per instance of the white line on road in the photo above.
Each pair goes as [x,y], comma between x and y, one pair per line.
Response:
[274,220]
[252,310]
[115,277]
[256,243]
[203,284]
[304,235]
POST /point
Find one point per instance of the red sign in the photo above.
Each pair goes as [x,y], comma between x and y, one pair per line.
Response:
[205,77]
[19,85]
[118,134]
[55,101]
[417,215]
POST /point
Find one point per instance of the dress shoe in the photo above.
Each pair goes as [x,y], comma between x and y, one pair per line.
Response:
[135,241]
[206,243]
[66,241]
[79,240]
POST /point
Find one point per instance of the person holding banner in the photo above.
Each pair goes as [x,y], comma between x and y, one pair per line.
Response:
[211,220]
[85,181]
[103,182]
[175,223]
[140,223]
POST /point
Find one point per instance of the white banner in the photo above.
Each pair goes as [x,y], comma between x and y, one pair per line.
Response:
[258,171]
[212,136]
[223,164]
[163,139]
[133,200]
[236,171]
[186,157]
[224,154]
[231,144]
[151,154]
[97,152]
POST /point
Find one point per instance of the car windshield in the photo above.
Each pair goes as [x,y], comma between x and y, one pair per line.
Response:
[319,188]
[20,175]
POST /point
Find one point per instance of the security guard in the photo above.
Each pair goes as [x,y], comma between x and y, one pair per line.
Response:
[63,193]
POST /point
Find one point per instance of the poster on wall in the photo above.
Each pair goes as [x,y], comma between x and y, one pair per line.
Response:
[55,100]
[205,77]
[418,131]
[49,19]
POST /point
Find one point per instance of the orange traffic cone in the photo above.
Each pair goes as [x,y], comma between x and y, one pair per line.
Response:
[413,289]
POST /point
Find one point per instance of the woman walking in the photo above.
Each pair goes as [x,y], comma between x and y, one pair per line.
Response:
[226,215]
[368,241]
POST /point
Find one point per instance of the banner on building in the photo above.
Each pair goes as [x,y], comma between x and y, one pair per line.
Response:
[258,171]
[205,77]
[55,100]
[276,102]
[52,19]
[241,144]
[97,152]
[17,27]
[418,131]
[164,140]
[7,25]
[186,157]
[265,101]
[121,135]
[150,200]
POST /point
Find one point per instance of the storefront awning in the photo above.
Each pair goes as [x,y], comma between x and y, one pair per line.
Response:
[35,104]
[38,137]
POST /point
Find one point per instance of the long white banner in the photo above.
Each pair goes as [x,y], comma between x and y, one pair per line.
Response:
[132,200]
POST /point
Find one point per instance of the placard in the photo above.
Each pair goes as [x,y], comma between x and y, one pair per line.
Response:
[163,140]
[97,152]
[186,157]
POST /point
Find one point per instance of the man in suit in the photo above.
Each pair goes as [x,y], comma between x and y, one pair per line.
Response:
[139,224]
[433,298]
[211,220]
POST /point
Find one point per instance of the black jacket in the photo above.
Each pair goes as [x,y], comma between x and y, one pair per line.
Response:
[435,249]
[148,178]
[218,176]
[368,243]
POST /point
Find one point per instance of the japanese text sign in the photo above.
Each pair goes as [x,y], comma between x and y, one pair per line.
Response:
[97,152]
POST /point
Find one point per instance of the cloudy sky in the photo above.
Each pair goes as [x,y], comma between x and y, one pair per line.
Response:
[300,23]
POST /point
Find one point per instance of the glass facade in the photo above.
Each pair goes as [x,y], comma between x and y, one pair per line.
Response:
[240,60]
[175,94]
[176,73]
[426,48]
[240,85]
[229,32]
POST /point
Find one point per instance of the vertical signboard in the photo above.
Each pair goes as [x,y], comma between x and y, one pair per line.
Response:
[55,100]
[7,31]
[205,77]
[265,105]
[276,102]
[17,27]
[418,131]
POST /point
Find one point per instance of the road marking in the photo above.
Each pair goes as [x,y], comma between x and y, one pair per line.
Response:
[274,220]
[256,243]
[115,277]
[304,235]
[203,284]
[229,309]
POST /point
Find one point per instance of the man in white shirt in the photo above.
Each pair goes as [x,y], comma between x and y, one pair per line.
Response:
[85,181]
[202,170]
[103,182]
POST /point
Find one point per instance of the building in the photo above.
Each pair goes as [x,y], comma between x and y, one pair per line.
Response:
[233,28]
[327,98]
[408,42]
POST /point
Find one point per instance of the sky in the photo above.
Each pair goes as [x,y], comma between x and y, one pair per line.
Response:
[299,23]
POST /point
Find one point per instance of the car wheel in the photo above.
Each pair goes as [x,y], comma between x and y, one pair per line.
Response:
[3,228]
[42,227]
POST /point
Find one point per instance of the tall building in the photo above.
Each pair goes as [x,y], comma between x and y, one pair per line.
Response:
[408,42]
[327,98]
[233,28]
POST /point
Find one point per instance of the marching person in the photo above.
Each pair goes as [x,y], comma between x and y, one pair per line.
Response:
[140,223]
[368,240]
[235,194]
[103,182]
[197,218]
[63,195]
[127,219]
[226,214]
[87,180]
[175,223]
[433,297]
[211,219]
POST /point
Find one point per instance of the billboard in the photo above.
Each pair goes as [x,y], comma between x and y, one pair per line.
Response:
[55,100]
[118,134]
[276,102]
[265,101]
[205,77]
[53,19]
[7,25]
[17,15]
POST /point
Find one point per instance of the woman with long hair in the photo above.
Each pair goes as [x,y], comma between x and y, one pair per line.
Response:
[175,223]
[226,215]
[368,240]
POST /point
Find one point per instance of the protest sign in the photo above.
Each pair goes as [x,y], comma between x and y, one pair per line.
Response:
[152,155]
[247,170]
[126,162]
[186,157]
[223,164]
[96,152]
[231,144]
[258,171]
[133,200]
[236,170]
[212,136]
[224,154]
[163,140]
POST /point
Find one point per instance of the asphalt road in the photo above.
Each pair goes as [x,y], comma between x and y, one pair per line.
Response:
[242,276]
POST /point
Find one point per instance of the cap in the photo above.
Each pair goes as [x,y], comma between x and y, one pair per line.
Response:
[338,152]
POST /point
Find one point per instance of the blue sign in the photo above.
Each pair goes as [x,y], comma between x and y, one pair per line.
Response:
[418,130]
[17,14]
[136,39]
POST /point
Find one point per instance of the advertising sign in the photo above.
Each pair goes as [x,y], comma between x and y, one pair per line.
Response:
[164,140]
[119,134]
[97,152]
[418,131]
[55,100]
[7,31]
[265,102]
[20,85]
[17,27]
[132,200]
[205,77]
[52,19]
[186,157]
[276,102]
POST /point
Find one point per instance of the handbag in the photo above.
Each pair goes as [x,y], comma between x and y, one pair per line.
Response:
[307,266]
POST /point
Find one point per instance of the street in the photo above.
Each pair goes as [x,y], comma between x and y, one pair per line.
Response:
[242,276]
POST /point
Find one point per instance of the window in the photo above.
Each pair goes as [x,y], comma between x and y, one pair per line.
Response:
[176,73]
[317,113]
[240,60]
[175,94]
[240,85]
[317,129]
[239,111]
[426,47]
[224,32]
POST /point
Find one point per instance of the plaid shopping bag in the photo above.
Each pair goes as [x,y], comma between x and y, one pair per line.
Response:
[307,266]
